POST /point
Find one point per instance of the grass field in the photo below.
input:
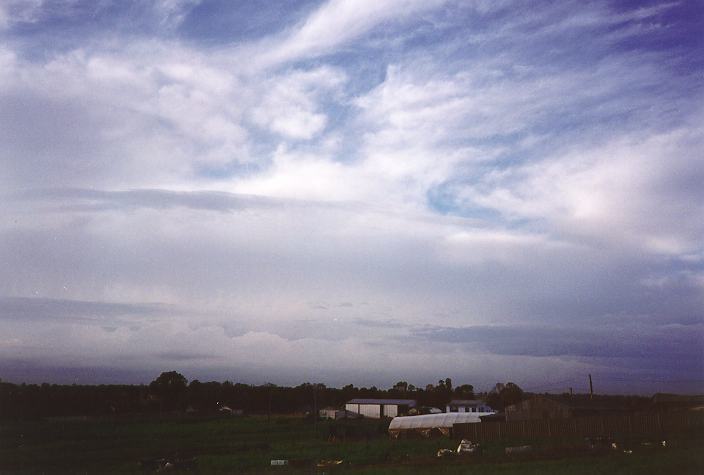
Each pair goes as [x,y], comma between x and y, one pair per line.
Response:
[247,444]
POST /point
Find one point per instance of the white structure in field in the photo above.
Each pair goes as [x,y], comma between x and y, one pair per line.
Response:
[378,408]
[425,425]
[469,405]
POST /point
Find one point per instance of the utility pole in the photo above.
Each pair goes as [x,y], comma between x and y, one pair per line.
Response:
[571,393]
[591,388]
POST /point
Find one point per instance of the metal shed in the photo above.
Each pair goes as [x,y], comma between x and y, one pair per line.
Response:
[378,408]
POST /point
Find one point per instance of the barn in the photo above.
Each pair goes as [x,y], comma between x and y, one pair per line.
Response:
[378,408]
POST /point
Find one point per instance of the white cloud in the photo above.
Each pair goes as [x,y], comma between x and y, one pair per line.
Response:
[625,190]
[21,11]
[291,103]
[335,23]
[172,12]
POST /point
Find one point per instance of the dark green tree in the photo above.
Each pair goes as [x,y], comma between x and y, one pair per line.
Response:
[170,387]
[504,395]
[465,391]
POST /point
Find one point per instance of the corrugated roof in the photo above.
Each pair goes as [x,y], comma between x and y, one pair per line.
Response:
[393,402]
[431,421]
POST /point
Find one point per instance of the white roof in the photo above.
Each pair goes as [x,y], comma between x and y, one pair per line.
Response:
[446,419]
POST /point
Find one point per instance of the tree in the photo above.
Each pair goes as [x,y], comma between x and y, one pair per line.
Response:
[465,391]
[504,395]
[511,394]
[169,387]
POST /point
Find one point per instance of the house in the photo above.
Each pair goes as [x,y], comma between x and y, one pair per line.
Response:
[563,407]
[427,425]
[378,408]
[468,405]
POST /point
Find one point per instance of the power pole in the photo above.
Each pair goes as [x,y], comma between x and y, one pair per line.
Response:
[571,393]
[591,388]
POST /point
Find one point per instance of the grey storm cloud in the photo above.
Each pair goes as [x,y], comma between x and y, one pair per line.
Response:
[685,343]
[24,309]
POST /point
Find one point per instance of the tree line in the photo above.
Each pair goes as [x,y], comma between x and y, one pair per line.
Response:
[172,392]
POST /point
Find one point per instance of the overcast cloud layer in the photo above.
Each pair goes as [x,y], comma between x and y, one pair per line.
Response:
[353,191]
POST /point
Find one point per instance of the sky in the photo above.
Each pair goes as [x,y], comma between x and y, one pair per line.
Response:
[353,191]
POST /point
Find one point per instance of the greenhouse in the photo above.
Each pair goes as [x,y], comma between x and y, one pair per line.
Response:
[430,424]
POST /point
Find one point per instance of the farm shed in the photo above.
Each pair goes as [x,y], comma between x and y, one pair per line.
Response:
[468,405]
[378,408]
[431,423]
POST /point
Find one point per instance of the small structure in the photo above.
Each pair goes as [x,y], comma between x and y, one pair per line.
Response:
[331,413]
[378,408]
[335,414]
[228,411]
[430,424]
[468,405]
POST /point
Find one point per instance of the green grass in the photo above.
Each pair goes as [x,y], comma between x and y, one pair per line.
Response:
[247,444]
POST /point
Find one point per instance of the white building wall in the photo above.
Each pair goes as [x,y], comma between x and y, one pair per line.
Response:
[367,410]
[373,410]
[370,410]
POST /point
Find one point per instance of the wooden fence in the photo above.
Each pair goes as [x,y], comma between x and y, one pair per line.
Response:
[614,426]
